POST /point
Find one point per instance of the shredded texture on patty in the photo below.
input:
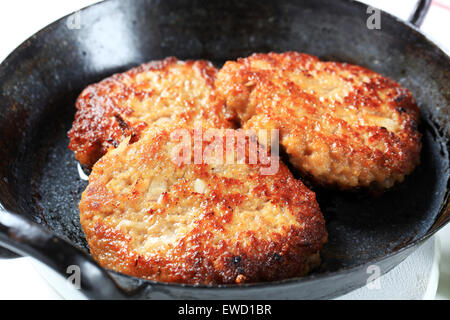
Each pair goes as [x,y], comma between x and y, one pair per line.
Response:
[159,93]
[340,124]
[209,223]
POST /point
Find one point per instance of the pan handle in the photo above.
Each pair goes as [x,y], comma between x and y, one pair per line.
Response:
[419,13]
[27,238]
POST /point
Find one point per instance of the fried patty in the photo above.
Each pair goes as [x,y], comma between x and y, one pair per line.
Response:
[162,93]
[340,124]
[148,216]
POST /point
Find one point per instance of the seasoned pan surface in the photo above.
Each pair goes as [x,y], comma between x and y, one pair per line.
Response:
[40,81]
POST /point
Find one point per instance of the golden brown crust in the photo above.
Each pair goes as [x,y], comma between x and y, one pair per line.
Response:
[340,124]
[146,216]
[163,92]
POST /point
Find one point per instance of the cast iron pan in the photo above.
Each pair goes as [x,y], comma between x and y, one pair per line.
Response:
[39,83]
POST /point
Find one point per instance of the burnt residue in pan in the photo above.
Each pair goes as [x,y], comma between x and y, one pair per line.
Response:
[57,185]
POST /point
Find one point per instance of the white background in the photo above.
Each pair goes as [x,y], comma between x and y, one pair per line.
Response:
[20,19]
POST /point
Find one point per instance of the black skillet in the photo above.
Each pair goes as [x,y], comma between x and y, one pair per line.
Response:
[39,82]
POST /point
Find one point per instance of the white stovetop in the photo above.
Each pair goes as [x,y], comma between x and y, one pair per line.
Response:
[415,278]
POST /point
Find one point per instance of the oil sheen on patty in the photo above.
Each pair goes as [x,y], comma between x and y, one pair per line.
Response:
[160,93]
[146,215]
[340,124]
